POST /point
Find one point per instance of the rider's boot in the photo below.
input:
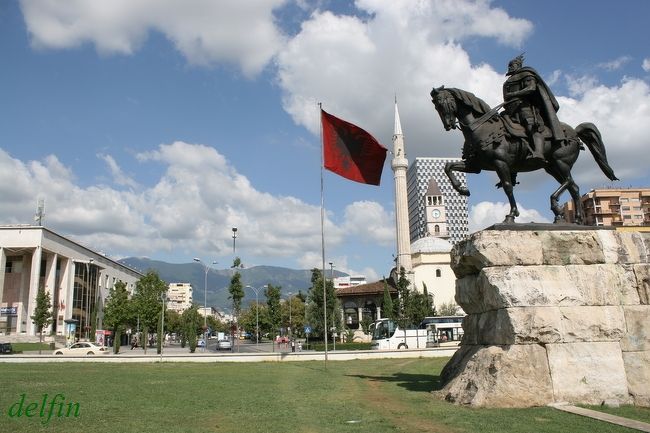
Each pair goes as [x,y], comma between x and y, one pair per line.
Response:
[537,147]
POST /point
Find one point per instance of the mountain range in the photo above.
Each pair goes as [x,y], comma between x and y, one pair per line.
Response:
[290,280]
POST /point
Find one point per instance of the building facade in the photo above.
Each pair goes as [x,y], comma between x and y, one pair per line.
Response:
[418,176]
[78,280]
[179,297]
[616,207]
[349,281]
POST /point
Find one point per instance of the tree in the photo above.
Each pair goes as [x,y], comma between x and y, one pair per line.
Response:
[43,314]
[366,322]
[236,288]
[293,313]
[147,302]
[117,312]
[387,304]
[272,294]
[431,308]
[173,322]
[315,306]
[448,309]
[192,324]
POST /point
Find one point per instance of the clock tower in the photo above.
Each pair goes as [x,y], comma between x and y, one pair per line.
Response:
[434,207]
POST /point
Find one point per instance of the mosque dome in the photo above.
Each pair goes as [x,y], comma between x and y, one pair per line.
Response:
[430,244]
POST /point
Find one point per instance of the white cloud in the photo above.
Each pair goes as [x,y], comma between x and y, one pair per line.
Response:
[356,66]
[485,214]
[579,85]
[405,48]
[646,65]
[204,31]
[615,64]
[119,177]
[190,209]
[371,222]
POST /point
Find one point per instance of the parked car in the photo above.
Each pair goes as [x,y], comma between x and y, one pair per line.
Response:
[6,349]
[83,348]
[224,344]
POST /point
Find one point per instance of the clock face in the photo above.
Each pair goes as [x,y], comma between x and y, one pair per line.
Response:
[435,213]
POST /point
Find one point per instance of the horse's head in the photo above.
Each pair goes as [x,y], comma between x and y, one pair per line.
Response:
[445,104]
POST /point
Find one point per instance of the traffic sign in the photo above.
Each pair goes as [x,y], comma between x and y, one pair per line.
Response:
[307,329]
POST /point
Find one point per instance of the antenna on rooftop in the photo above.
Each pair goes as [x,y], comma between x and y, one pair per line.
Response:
[40,212]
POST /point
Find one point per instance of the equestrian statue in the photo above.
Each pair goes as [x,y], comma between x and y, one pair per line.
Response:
[526,136]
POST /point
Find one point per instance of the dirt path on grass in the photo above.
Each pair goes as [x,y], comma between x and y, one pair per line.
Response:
[377,400]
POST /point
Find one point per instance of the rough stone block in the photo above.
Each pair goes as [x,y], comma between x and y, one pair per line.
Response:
[587,373]
[623,247]
[571,247]
[637,321]
[637,368]
[498,376]
[495,248]
[642,274]
[544,325]
[522,286]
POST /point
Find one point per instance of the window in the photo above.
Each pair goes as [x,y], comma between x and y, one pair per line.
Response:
[438,273]
[436,229]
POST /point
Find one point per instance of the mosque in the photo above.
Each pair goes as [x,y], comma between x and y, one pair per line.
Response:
[430,217]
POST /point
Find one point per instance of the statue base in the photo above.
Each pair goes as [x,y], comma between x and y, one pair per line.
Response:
[552,316]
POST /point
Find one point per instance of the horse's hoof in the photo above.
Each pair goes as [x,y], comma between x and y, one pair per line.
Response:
[509,219]
[464,191]
[559,220]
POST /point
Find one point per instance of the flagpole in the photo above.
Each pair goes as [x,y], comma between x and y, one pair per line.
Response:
[322,225]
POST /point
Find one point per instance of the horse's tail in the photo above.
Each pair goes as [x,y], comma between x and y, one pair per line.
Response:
[590,135]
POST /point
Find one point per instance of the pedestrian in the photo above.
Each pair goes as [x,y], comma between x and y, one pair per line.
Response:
[293,345]
[299,346]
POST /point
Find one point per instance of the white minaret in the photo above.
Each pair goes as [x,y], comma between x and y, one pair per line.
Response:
[399,165]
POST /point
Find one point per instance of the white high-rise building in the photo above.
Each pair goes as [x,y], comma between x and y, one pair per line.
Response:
[419,177]
[180,297]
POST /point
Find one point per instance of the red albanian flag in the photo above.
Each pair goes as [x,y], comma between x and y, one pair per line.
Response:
[351,152]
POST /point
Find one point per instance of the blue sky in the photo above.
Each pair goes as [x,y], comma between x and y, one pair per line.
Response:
[152,127]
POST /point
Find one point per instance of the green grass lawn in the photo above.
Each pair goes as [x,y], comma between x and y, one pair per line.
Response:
[354,396]
[24,347]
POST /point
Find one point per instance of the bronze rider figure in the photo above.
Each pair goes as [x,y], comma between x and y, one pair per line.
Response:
[529,102]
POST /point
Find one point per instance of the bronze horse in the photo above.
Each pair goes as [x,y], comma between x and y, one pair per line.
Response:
[493,142]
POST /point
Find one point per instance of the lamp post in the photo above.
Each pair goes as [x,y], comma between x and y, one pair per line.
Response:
[290,325]
[257,314]
[234,237]
[332,271]
[163,296]
[205,301]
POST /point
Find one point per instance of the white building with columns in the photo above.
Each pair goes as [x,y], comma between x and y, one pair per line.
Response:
[78,279]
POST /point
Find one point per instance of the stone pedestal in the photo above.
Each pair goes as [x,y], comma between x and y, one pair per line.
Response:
[552,316]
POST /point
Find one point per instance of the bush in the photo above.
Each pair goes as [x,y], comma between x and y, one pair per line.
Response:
[320,346]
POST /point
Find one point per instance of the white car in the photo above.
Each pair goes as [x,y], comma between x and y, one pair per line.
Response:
[224,345]
[83,348]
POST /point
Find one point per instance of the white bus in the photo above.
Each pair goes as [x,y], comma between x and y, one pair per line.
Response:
[447,328]
[386,335]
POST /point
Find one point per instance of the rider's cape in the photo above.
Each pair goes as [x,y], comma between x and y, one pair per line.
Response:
[549,103]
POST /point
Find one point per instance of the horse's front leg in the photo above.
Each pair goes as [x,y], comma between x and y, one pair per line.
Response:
[505,176]
[450,167]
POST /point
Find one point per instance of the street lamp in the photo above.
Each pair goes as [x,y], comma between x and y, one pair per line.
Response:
[234,236]
[332,271]
[257,313]
[205,302]
[290,325]
[163,296]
